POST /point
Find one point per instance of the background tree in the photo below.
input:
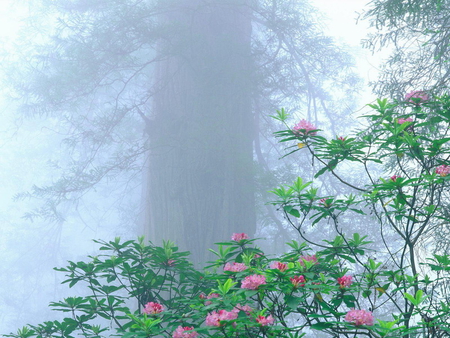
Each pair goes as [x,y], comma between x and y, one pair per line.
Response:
[164,89]
[200,164]
[417,33]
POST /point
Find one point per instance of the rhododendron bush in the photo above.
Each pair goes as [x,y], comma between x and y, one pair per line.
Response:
[404,156]
[338,287]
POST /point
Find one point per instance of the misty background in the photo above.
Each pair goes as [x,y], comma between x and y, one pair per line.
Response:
[68,178]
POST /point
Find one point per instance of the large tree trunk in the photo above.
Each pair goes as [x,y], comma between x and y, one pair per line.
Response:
[200,177]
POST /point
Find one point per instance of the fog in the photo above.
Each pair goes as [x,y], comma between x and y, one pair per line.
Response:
[129,118]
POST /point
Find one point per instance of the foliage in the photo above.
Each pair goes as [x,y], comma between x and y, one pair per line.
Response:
[301,290]
[411,136]
[339,287]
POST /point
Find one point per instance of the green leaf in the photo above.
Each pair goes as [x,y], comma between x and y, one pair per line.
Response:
[225,287]
[417,299]
[373,265]
[350,300]
[330,166]
[292,301]
[290,210]
[366,293]
[348,258]
[322,326]
[320,172]
[281,115]
[430,208]
[298,185]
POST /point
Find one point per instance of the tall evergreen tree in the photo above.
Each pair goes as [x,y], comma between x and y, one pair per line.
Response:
[200,164]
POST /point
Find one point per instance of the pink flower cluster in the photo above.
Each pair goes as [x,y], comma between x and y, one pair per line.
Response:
[403,120]
[235,267]
[359,317]
[278,266]
[180,332]
[394,178]
[264,321]
[152,308]
[214,318]
[298,281]
[345,281]
[239,237]
[246,308]
[308,258]
[443,170]
[304,128]
[253,282]
[417,97]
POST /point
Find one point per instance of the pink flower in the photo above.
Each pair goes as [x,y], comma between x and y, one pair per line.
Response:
[394,178]
[323,201]
[417,97]
[253,282]
[308,258]
[304,128]
[214,318]
[235,267]
[359,317]
[227,315]
[443,170]
[211,295]
[345,281]
[152,308]
[342,138]
[180,332]
[246,308]
[403,120]
[298,281]
[264,321]
[239,237]
[279,266]
[170,262]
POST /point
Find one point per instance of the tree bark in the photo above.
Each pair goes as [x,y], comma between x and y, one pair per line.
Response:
[200,186]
